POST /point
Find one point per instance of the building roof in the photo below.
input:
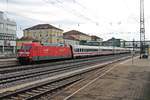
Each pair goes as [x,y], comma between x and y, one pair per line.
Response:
[43,26]
[95,36]
[70,38]
[74,32]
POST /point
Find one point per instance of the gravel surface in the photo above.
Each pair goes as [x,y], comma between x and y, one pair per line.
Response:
[126,81]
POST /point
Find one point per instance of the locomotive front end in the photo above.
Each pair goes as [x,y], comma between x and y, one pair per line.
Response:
[24,54]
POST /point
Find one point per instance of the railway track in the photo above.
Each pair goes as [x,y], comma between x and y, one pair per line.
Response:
[8,62]
[32,92]
[16,68]
[7,79]
[38,90]
[35,91]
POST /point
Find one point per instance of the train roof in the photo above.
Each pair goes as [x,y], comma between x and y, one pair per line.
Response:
[98,47]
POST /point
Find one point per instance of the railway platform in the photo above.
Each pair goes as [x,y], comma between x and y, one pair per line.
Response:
[128,80]
[7,56]
[8,59]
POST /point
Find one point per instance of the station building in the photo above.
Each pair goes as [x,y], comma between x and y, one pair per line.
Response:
[95,41]
[77,35]
[96,38]
[45,33]
[71,40]
[7,35]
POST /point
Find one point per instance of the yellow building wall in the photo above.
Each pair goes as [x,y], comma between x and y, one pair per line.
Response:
[47,35]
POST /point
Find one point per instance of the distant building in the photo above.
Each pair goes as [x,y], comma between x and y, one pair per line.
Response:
[78,35]
[82,37]
[7,35]
[96,38]
[45,33]
[114,42]
[136,44]
[95,41]
[71,40]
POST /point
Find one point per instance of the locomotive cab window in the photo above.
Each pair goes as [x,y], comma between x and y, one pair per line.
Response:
[26,47]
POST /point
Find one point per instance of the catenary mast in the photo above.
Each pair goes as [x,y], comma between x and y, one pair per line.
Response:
[142,28]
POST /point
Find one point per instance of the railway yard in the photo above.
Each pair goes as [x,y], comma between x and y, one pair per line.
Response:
[111,77]
[74,50]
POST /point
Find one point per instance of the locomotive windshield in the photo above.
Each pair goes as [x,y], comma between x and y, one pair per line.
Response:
[26,47]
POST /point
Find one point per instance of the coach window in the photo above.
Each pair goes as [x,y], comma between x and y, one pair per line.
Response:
[27,47]
[84,50]
[80,50]
[75,50]
[89,50]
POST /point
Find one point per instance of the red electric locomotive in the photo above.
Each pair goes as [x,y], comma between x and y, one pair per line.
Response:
[31,52]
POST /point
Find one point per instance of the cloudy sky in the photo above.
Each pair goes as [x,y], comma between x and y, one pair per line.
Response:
[104,18]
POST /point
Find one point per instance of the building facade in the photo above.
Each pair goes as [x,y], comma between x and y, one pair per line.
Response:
[136,44]
[96,38]
[45,33]
[77,35]
[95,41]
[114,42]
[71,40]
[7,35]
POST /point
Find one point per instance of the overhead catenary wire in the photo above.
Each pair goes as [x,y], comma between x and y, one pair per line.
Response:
[60,4]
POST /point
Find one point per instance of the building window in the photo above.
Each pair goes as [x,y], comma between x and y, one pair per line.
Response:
[1,25]
[11,27]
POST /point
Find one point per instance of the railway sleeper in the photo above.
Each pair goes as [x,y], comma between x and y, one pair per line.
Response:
[36,91]
[23,95]
[46,87]
[51,89]
[13,97]
[41,89]
[30,93]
